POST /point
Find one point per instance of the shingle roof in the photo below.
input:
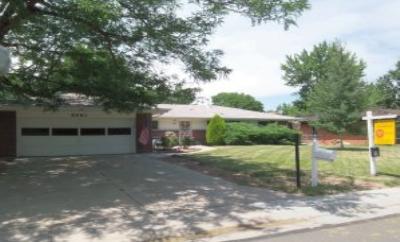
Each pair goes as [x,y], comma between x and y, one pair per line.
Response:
[383,111]
[208,111]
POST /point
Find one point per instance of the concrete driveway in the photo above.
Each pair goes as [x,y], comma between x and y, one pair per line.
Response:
[117,198]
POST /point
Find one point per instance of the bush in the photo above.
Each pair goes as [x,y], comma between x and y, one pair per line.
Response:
[216,131]
[248,133]
[186,141]
[169,139]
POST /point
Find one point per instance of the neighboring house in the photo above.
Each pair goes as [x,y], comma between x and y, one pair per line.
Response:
[191,120]
[76,128]
[327,137]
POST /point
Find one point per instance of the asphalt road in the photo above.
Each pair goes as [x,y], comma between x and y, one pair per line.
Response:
[378,230]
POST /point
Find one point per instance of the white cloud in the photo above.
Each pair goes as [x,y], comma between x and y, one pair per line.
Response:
[370,28]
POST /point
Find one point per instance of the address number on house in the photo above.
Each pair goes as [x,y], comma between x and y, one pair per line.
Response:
[79,115]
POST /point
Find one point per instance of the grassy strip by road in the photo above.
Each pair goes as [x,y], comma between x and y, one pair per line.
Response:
[273,167]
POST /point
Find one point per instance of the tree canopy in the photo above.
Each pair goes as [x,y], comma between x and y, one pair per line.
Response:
[110,50]
[290,109]
[387,89]
[181,95]
[308,68]
[237,100]
[331,85]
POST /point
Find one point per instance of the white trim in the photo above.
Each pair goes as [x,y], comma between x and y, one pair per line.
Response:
[390,116]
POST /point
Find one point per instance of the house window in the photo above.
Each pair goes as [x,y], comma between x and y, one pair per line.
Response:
[93,131]
[35,131]
[154,124]
[64,132]
[184,125]
[119,131]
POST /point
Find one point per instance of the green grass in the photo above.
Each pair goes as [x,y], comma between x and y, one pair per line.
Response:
[274,167]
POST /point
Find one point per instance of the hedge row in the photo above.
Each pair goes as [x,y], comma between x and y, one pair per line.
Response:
[247,133]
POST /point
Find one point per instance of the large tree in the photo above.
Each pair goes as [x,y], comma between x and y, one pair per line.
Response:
[180,94]
[306,69]
[237,100]
[111,50]
[388,89]
[290,109]
[331,85]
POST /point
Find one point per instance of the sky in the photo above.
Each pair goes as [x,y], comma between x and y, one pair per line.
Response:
[369,28]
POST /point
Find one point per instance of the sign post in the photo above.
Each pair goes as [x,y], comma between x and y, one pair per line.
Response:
[371,144]
[381,130]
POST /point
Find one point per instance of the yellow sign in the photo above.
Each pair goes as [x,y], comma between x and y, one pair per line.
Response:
[385,132]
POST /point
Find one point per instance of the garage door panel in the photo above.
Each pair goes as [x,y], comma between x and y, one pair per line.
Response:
[52,145]
[48,145]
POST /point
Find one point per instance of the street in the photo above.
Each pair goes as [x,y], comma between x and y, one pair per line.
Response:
[376,230]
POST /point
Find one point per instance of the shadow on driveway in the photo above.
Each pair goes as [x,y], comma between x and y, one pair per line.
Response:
[130,198]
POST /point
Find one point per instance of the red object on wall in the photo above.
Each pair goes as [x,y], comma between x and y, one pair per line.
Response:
[8,134]
[143,133]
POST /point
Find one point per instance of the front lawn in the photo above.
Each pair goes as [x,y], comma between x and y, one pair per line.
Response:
[273,167]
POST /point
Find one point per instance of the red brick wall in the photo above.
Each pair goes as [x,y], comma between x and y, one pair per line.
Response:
[143,133]
[197,135]
[200,136]
[327,137]
[8,134]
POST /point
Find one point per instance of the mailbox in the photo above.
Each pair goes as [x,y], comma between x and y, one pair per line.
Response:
[324,154]
[375,152]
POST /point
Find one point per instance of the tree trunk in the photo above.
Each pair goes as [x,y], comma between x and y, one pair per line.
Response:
[341,141]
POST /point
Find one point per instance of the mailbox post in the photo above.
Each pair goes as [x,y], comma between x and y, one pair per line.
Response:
[314,164]
[297,160]
[319,154]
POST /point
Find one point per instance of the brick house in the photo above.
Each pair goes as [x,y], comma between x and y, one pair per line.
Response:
[329,138]
[191,120]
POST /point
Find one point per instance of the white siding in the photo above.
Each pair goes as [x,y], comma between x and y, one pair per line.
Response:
[173,124]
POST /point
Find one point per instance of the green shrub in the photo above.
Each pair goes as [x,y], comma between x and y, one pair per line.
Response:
[169,139]
[216,131]
[239,133]
[186,141]
[248,133]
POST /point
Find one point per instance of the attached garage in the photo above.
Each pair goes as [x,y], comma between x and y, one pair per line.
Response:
[72,131]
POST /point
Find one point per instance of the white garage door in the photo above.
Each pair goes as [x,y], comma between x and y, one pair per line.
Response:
[68,136]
